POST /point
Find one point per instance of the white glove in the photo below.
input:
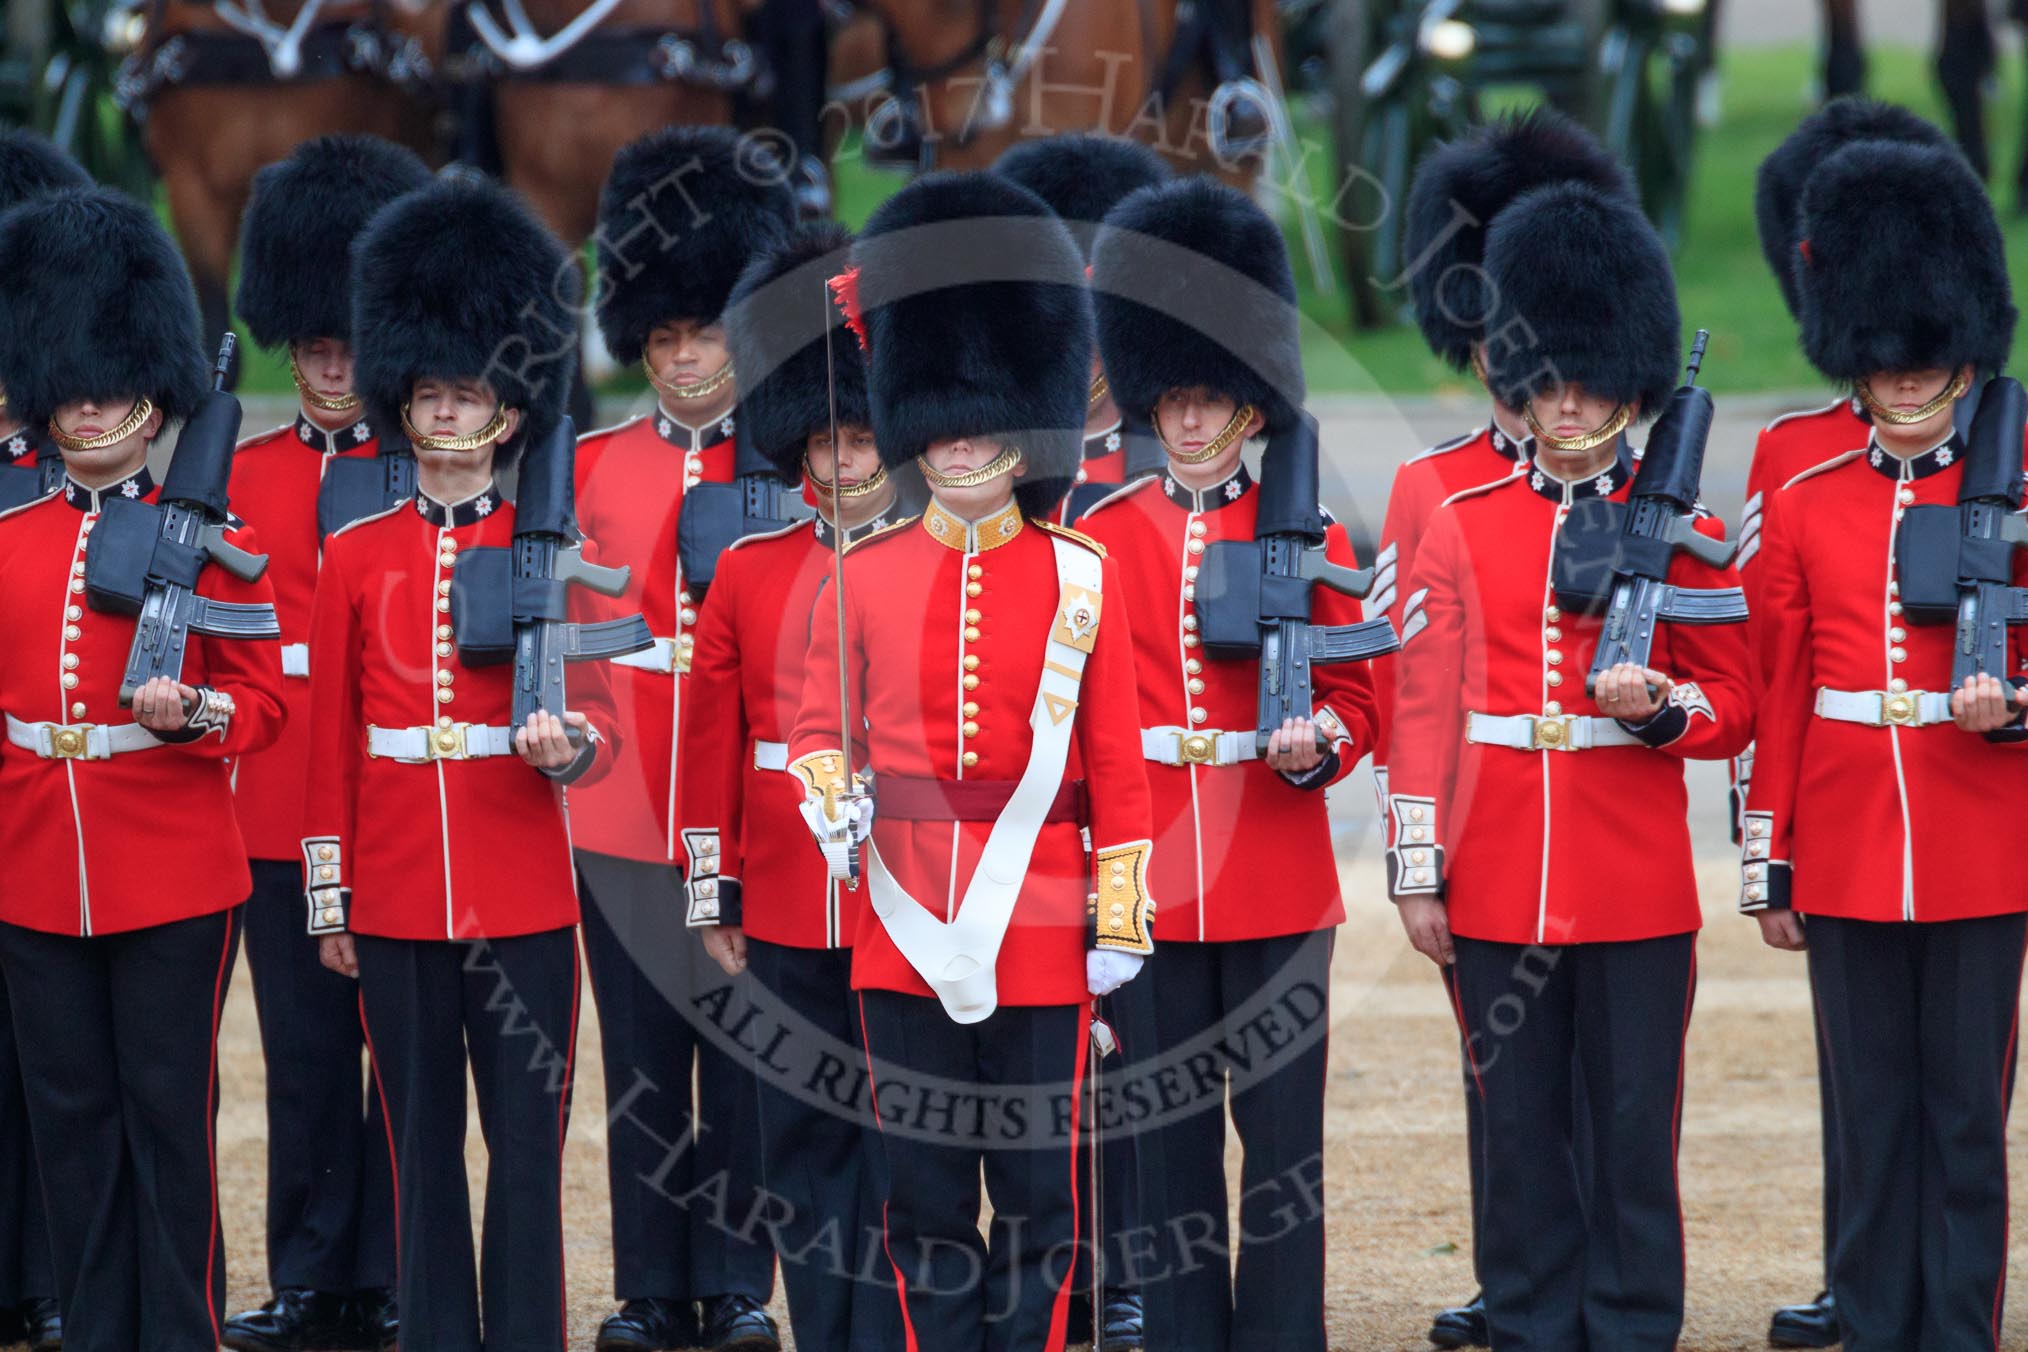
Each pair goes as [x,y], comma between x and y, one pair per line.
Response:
[1108,969]
[840,836]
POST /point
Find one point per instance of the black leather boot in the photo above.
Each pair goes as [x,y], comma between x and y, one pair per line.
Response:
[1464,1326]
[1811,1324]
[375,1320]
[296,1320]
[738,1324]
[42,1324]
[652,1325]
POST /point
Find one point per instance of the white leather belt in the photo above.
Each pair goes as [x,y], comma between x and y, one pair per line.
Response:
[79,741]
[296,660]
[419,746]
[770,755]
[663,657]
[1186,746]
[1885,709]
[1564,732]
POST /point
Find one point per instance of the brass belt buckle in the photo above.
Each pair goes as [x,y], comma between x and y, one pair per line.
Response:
[1549,734]
[70,741]
[1899,710]
[1194,748]
[446,743]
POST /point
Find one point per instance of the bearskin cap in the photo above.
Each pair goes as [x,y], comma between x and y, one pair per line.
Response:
[97,305]
[978,324]
[1778,184]
[1082,176]
[297,233]
[31,165]
[1589,279]
[1460,188]
[1191,286]
[458,280]
[681,213]
[794,375]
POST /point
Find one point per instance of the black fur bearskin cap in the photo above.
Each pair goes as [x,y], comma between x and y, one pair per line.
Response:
[977,324]
[458,280]
[297,234]
[1589,279]
[682,212]
[1901,264]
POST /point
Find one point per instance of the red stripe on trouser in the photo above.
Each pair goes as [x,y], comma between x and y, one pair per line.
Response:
[211,1125]
[1450,981]
[563,1127]
[873,1097]
[386,1127]
[1059,1318]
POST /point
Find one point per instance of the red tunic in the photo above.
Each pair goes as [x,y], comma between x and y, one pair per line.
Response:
[1221,830]
[912,673]
[451,849]
[1540,846]
[70,826]
[630,485]
[1420,486]
[1870,823]
[275,477]
[753,637]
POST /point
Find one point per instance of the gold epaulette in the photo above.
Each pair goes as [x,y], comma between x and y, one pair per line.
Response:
[1069,534]
[883,533]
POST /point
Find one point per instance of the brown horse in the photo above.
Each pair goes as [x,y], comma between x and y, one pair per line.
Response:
[208,132]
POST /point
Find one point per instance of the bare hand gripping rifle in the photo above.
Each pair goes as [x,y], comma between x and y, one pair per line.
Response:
[1253,596]
[1613,558]
[515,602]
[1956,564]
[146,557]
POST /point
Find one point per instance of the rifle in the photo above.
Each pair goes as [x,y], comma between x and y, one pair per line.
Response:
[146,557]
[514,602]
[716,515]
[1253,596]
[356,487]
[1632,544]
[23,484]
[1956,564]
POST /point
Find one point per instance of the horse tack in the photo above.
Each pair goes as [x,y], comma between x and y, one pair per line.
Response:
[335,47]
[621,57]
[895,126]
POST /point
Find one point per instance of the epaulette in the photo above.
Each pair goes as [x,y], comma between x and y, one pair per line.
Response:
[1453,444]
[619,426]
[1805,413]
[1485,487]
[1832,463]
[884,533]
[775,534]
[245,442]
[32,502]
[1122,491]
[1069,534]
[385,511]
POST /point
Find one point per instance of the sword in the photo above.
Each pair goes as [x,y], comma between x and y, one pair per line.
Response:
[838,580]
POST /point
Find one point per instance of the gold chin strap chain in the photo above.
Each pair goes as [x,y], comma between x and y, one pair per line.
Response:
[1598,436]
[1895,418]
[703,389]
[1002,463]
[143,408]
[316,398]
[849,491]
[1214,448]
[1100,388]
[470,441]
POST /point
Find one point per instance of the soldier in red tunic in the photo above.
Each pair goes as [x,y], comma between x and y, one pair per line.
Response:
[1881,818]
[758,895]
[117,957]
[1522,804]
[1229,948]
[681,214]
[1458,192]
[330,1216]
[1785,448]
[987,687]
[437,844]
[1082,176]
[29,467]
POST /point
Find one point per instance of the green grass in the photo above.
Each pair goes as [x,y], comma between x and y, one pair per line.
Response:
[1722,279]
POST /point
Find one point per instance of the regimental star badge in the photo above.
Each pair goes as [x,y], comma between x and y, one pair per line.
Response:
[665,427]
[1232,490]
[1077,618]
[17,445]
[1604,484]
[1112,441]
[1944,455]
[70,492]
[1536,481]
[131,489]
[484,506]
[361,433]
[1873,457]
[725,428]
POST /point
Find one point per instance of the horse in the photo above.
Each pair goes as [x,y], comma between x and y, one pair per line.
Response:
[221,89]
